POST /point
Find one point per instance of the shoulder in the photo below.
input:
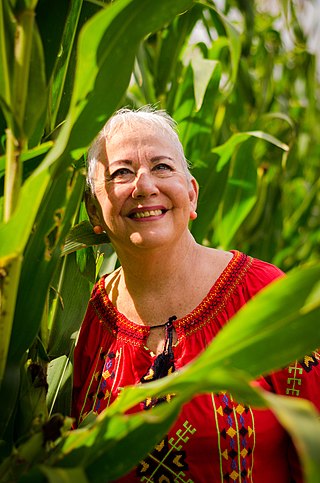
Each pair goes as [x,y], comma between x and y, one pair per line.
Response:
[239,269]
[97,313]
[259,274]
[265,271]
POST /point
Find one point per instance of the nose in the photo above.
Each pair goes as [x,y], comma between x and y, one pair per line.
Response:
[144,185]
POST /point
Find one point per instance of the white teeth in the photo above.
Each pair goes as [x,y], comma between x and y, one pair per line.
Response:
[146,214]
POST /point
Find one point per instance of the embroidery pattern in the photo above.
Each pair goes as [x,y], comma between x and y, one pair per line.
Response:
[167,462]
[217,298]
[316,355]
[309,362]
[236,437]
[91,389]
[118,325]
[294,380]
[297,369]
[100,389]
[115,322]
[108,374]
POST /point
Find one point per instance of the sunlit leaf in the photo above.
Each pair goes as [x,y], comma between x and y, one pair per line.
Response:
[301,420]
[64,475]
[37,91]
[240,194]
[42,257]
[261,325]
[203,70]
[7,32]
[82,236]
[27,155]
[63,59]
[59,372]
[226,150]
[234,44]
[104,42]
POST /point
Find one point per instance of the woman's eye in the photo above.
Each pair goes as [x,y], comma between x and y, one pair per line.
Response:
[163,168]
[121,174]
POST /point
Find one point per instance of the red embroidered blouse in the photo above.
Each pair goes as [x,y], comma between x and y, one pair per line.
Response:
[215,439]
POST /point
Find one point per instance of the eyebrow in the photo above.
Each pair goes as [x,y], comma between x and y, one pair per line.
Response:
[129,162]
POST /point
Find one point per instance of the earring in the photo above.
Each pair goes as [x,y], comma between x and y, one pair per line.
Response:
[193,215]
[98,229]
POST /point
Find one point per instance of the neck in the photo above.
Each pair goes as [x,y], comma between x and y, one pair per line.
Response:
[155,284]
[148,270]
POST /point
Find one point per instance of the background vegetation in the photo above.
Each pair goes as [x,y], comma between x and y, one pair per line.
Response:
[243,85]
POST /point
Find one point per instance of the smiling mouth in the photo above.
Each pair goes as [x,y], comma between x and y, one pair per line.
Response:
[147,214]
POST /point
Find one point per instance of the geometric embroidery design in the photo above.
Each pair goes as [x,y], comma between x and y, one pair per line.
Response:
[295,370]
[235,429]
[294,380]
[106,378]
[167,462]
[309,362]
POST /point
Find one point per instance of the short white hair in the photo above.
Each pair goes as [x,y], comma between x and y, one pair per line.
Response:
[126,117]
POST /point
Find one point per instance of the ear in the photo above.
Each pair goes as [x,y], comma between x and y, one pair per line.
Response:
[93,210]
[193,197]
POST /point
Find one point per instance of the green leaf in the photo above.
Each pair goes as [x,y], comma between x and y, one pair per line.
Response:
[15,233]
[226,150]
[96,94]
[9,391]
[245,342]
[63,59]
[83,236]
[59,377]
[27,155]
[239,197]
[61,475]
[203,70]
[10,268]
[42,256]
[30,4]
[301,420]
[143,76]
[71,295]
[243,345]
[241,350]
[195,127]
[212,187]
[37,89]
[52,31]
[106,49]
[32,398]
[7,32]
[102,446]
[170,46]
[234,45]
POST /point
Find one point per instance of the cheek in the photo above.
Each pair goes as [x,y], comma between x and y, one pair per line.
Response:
[112,203]
[105,206]
[115,202]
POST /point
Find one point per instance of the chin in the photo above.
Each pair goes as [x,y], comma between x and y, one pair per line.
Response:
[150,241]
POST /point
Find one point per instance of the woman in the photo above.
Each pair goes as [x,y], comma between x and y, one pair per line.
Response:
[164,305]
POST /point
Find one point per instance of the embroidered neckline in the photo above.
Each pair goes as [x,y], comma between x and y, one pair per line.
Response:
[212,303]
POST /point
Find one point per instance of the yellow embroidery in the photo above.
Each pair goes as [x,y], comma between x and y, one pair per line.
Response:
[294,380]
[307,360]
[225,454]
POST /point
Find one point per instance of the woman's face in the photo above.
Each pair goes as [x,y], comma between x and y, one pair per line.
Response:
[145,197]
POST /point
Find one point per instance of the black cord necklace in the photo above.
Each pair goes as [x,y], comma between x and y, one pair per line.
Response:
[169,322]
[164,362]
